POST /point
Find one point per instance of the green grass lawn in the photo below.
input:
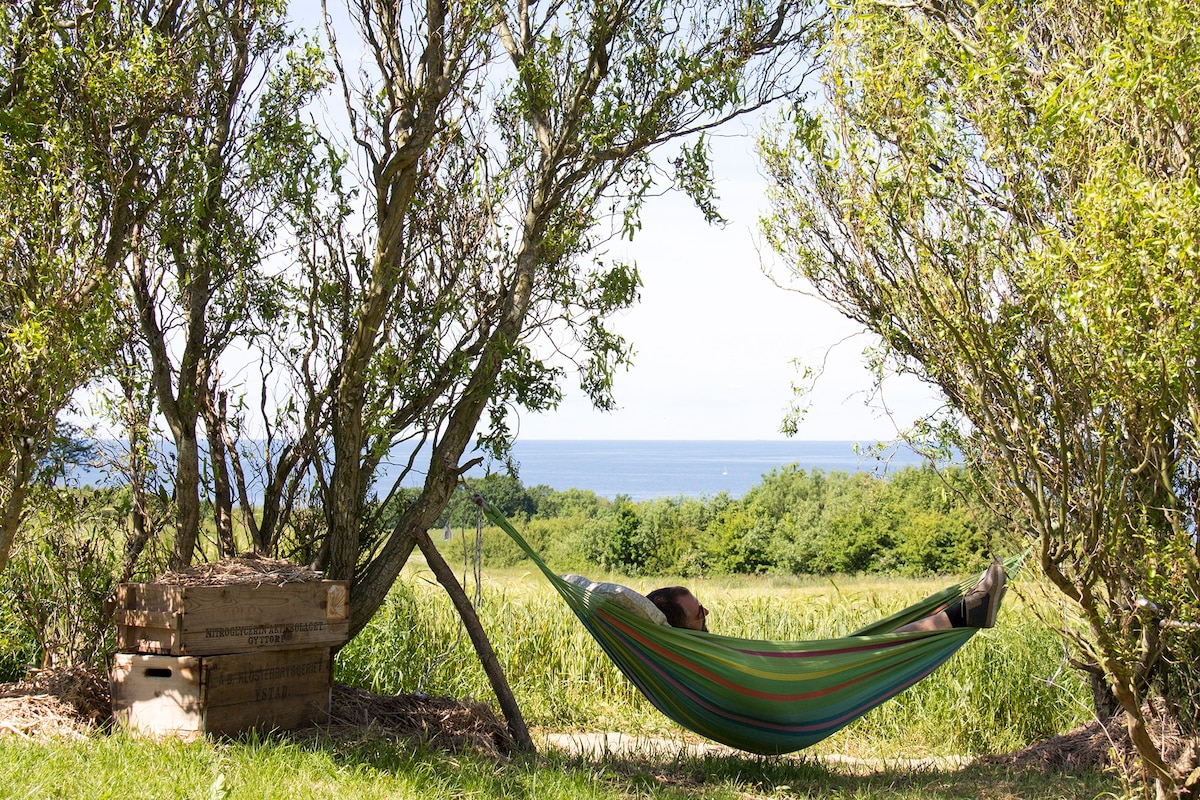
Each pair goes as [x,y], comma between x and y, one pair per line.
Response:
[115,767]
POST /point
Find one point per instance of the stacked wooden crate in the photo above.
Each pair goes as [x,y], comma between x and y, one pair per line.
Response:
[224,659]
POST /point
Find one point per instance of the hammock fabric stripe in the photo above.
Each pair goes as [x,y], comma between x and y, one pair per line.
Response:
[762,696]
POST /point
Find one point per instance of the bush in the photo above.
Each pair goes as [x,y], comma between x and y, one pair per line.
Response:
[57,585]
[915,522]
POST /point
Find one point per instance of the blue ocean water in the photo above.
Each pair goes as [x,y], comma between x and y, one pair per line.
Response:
[645,470]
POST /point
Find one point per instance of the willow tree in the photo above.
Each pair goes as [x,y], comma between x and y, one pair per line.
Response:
[502,145]
[230,163]
[494,147]
[1007,194]
[80,89]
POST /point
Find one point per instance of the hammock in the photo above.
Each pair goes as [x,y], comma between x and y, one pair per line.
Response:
[762,696]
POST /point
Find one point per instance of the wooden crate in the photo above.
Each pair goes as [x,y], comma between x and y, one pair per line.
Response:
[178,620]
[189,696]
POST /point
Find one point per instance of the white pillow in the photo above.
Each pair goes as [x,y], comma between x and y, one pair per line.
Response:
[623,596]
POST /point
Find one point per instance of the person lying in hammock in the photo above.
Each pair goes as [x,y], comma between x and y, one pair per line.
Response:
[976,609]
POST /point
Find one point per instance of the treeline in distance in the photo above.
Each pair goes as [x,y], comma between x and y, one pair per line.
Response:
[914,521]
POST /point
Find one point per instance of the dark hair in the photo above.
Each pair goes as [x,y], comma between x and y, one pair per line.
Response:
[667,600]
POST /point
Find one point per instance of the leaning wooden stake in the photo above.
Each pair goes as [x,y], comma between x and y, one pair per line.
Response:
[483,647]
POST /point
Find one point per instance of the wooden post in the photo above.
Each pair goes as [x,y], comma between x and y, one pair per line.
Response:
[483,647]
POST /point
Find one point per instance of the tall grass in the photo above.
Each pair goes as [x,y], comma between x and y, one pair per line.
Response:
[994,695]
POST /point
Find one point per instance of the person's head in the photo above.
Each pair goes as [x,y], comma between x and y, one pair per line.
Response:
[680,607]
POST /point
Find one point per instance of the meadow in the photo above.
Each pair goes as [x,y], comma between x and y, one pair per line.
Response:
[1003,691]
[1006,689]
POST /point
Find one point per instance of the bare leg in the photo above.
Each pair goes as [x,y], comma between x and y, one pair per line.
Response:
[935,622]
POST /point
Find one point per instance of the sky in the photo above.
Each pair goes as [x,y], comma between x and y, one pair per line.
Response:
[715,339]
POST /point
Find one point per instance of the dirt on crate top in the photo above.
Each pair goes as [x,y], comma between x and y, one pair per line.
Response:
[246,569]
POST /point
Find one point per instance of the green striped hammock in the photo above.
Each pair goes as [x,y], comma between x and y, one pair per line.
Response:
[762,696]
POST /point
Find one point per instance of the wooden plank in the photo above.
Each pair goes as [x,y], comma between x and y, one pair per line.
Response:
[138,618]
[157,695]
[297,712]
[253,678]
[148,596]
[160,641]
[239,618]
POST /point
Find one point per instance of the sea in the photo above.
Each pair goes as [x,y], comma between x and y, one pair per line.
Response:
[646,470]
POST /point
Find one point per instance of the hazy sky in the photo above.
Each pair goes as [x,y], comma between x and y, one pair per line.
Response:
[715,338]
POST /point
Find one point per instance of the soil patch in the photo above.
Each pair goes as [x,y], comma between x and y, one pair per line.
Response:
[599,745]
[1091,746]
[439,722]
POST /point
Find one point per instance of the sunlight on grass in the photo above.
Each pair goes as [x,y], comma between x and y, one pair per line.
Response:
[565,684]
[116,767]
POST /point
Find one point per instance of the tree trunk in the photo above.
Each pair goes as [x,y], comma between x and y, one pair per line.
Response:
[483,647]
[187,497]
[214,419]
[1164,776]
[345,504]
[12,508]
[139,514]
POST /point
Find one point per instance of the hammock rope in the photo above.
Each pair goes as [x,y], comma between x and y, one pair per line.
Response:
[762,697]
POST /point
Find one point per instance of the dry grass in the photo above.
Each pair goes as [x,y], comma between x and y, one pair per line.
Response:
[63,702]
[1091,746]
[247,569]
[437,722]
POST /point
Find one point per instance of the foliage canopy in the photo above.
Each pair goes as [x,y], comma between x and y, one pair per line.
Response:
[1007,195]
